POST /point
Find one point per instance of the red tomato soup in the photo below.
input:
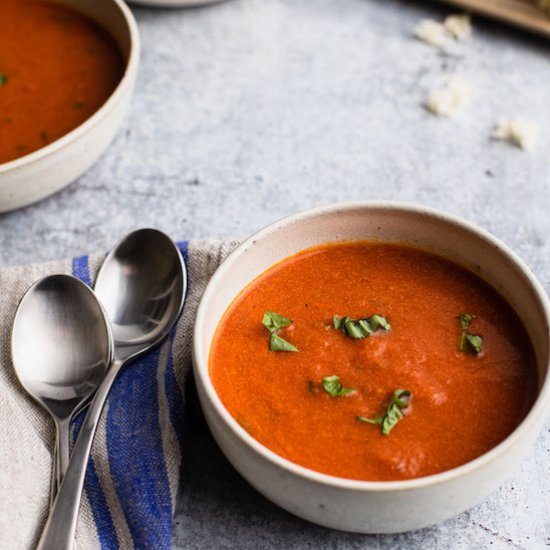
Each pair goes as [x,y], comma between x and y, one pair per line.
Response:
[424,368]
[57,68]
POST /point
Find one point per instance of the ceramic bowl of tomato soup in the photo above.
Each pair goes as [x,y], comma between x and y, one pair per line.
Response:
[373,367]
[67,73]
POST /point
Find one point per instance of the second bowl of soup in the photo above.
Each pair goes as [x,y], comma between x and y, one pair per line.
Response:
[67,72]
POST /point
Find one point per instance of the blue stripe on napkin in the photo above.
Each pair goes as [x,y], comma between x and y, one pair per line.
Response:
[102,516]
[136,454]
[81,269]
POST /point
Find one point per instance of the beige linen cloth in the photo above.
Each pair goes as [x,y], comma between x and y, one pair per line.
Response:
[132,497]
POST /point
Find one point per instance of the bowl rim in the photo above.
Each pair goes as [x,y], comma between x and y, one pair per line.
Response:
[130,70]
[536,414]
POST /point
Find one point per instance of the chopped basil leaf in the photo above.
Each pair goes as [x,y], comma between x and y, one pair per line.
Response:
[401,398]
[331,384]
[399,402]
[357,329]
[276,343]
[377,420]
[473,343]
[360,328]
[466,320]
[378,322]
[3,79]
[469,343]
[393,415]
[273,321]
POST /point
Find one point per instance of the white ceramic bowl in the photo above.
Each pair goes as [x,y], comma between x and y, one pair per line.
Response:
[361,506]
[39,174]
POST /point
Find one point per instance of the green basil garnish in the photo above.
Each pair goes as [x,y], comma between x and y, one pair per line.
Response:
[276,343]
[466,320]
[399,402]
[273,322]
[469,343]
[375,420]
[472,343]
[331,384]
[360,328]
[3,79]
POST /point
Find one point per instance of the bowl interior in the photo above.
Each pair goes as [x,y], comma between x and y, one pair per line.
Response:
[109,14]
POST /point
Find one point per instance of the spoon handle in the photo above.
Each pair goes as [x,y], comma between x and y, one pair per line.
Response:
[59,532]
[61,455]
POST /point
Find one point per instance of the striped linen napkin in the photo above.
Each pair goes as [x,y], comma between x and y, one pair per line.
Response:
[132,478]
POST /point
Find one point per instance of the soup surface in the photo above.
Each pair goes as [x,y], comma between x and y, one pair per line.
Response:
[57,68]
[448,377]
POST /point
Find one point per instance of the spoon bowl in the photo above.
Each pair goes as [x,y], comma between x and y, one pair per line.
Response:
[61,348]
[142,288]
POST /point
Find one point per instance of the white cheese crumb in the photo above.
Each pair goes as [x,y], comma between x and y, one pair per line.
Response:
[431,32]
[447,101]
[436,34]
[458,26]
[517,131]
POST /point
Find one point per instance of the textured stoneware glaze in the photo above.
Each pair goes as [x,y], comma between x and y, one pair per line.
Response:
[30,178]
[359,506]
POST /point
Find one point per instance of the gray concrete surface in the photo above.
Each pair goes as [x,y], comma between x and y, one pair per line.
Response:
[249,110]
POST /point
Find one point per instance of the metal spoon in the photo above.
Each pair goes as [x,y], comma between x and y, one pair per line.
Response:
[142,286]
[61,348]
